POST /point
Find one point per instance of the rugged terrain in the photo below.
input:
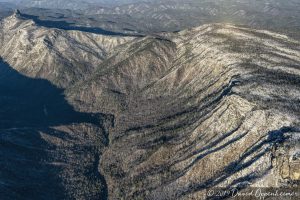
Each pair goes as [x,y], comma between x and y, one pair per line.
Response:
[173,15]
[151,16]
[48,150]
[59,56]
[166,116]
[210,106]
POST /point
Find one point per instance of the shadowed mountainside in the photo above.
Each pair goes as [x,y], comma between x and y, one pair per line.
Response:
[43,140]
[28,102]
[206,107]
[212,106]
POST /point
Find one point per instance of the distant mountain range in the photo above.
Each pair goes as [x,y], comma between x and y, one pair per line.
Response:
[53,4]
[70,4]
[158,16]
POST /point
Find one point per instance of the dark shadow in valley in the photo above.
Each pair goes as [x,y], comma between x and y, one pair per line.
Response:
[71,26]
[32,163]
[27,171]
[28,102]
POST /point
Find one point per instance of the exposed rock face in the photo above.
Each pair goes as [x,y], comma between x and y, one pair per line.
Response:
[218,100]
[63,57]
[216,105]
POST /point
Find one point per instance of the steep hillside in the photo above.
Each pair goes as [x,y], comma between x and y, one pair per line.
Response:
[48,150]
[216,105]
[62,57]
[87,116]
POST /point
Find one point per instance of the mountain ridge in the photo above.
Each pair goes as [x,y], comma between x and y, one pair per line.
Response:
[83,48]
[174,114]
[215,95]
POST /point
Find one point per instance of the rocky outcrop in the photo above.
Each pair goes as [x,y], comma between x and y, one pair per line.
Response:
[63,57]
[219,100]
[158,117]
